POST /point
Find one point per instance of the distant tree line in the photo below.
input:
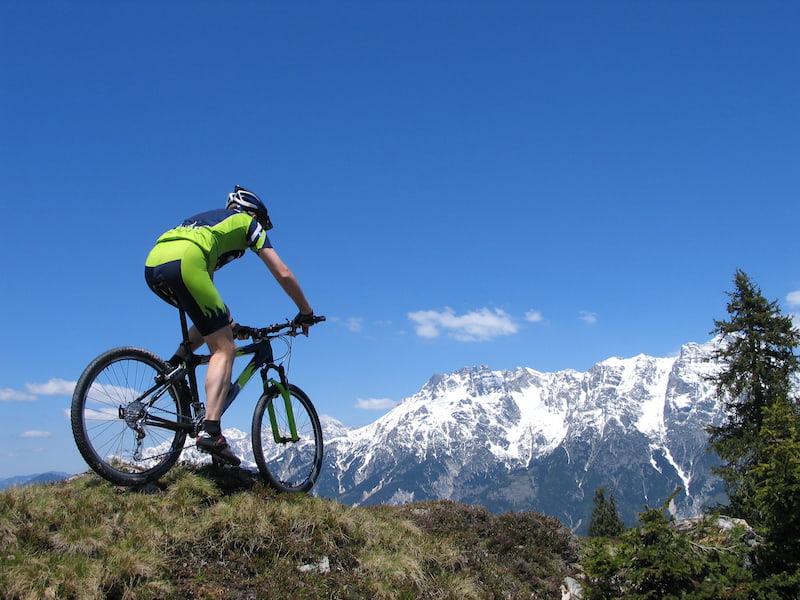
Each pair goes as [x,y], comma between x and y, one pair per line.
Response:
[753,552]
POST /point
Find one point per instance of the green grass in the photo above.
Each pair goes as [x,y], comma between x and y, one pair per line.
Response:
[207,535]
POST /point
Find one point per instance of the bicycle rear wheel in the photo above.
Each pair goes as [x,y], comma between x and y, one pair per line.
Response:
[287,440]
[124,429]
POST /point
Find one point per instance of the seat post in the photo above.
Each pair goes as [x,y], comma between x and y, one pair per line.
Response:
[191,361]
[187,345]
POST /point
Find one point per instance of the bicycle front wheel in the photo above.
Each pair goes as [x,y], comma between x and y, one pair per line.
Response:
[287,440]
[129,429]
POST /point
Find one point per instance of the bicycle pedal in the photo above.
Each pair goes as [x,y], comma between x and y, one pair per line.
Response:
[222,454]
[233,461]
[221,459]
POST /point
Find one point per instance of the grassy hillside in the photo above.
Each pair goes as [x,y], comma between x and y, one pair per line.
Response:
[218,535]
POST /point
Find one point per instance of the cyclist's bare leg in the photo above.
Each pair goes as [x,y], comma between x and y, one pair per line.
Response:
[220,366]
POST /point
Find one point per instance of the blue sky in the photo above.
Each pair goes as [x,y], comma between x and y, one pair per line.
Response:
[539,184]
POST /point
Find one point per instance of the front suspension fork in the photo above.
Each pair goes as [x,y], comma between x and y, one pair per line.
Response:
[283,389]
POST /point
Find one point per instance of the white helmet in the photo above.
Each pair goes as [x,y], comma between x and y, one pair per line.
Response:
[248,201]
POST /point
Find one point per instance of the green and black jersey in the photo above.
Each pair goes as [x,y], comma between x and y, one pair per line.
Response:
[181,265]
[223,235]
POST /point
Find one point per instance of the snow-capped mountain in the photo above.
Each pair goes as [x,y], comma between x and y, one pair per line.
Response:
[521,439]
[526,440]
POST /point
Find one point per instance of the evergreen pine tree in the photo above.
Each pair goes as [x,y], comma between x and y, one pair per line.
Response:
[605,521]
[758,359]
[777,497]
[661,563]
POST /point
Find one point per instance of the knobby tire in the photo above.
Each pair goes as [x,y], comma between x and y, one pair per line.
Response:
[287,466]
[107,418]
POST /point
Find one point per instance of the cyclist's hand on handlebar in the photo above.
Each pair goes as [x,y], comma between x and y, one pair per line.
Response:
[304,321]
[240,332]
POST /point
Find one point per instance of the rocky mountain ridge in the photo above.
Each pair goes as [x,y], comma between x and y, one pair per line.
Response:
[522,439]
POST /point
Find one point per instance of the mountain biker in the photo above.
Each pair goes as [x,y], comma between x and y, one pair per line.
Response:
[180,270]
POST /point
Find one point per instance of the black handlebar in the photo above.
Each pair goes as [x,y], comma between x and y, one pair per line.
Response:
[264,332]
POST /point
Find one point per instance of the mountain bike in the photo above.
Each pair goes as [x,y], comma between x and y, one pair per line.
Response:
[132,411]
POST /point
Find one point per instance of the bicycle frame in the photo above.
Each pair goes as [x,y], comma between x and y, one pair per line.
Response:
[263,360]
[132,413]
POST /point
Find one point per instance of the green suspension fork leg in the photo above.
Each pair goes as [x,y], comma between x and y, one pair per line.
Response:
[287,401]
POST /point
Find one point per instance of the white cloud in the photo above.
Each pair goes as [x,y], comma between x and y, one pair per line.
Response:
[588,317]
[8,395]
[534,316]
[475,326]
[54,387]
[375,403]
[354,324]
[33,433]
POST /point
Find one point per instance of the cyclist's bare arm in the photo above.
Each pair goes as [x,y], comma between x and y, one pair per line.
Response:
[284,276]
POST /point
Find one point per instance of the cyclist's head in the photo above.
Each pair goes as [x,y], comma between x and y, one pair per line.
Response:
[242,199]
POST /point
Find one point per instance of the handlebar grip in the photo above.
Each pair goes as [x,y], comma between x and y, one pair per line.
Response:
[243,330]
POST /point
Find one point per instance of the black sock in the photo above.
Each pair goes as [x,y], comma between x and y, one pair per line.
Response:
[212,428]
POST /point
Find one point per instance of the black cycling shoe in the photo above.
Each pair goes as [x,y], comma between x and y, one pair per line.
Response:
[217,447]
